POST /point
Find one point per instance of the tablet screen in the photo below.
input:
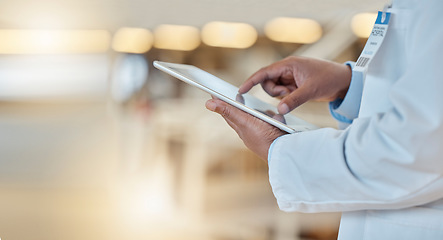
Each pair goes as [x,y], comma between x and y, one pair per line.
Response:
[229,93]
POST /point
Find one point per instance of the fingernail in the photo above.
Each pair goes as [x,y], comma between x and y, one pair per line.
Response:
[210,105]
[283,108]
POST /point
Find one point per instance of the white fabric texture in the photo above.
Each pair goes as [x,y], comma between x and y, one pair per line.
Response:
[385,170]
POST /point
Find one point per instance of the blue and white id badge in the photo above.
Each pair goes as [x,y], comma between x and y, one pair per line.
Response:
[360,68]
[374,41]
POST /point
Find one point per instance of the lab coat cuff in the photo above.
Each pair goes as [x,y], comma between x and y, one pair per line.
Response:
[347,109]
[272,148]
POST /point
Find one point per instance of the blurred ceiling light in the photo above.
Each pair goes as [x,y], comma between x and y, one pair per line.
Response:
[293,30]
[132,40]
[53,41]
[229,34]
[176,37]
[362,24]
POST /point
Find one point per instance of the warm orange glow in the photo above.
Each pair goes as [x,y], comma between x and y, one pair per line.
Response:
[176,37]
[132,40]
[293,30]
[53,41]
[228,34]
[362,24]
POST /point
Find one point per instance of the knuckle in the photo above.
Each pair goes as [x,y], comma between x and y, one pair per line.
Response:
[293,102]
[270,91]
[290,58]
[225,111]
[263,69]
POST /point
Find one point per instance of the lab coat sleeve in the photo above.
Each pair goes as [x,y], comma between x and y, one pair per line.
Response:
[390,160]
[346,110]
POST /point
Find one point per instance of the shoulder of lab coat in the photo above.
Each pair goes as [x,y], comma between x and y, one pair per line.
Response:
[388,160]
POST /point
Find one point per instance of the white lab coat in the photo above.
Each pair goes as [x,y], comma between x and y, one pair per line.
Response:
[385,170]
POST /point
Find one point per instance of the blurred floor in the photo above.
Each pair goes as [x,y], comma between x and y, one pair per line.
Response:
[175,171]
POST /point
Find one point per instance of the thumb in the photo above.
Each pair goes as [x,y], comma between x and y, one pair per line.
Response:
[293,100]
[232,115]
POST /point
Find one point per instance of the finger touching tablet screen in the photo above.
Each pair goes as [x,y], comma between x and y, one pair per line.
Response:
[229,93]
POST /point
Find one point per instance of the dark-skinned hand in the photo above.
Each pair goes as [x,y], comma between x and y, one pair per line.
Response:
[295,80]
[255,133]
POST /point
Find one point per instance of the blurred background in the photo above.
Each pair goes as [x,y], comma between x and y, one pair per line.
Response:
[97,144]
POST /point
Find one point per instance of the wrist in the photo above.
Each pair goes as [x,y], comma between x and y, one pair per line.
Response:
[274,134]
[345,77]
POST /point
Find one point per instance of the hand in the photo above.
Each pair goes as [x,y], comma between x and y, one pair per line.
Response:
[255,133]
[298,80]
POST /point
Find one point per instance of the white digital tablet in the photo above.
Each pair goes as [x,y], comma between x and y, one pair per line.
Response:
[229,93]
